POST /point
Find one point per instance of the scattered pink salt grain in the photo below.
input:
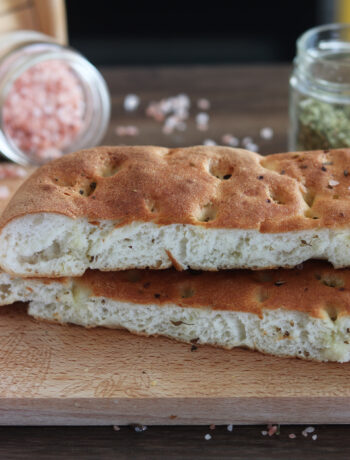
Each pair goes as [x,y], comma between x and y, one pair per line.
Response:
[171,123]
[266,133]
[177,107]
[292,436]
[272,430]
[44,108]
[247,140]
[11,171]
[174,110]
[140,428]
[252,147]
[131,102]
[229,139]
[202,121]
[209,142]
[4,192]
[155,112]
[203,104]
[207,437]
[308,430]
[116,428]
[212,426]
[127,130]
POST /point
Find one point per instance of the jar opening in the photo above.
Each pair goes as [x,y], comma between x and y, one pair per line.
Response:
[53,102]
[323,53]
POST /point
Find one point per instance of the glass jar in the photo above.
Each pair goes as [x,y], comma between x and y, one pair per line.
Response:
[319,105]
[50,95]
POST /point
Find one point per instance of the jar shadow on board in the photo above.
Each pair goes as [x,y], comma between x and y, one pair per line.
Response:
[319,105]
[52,100]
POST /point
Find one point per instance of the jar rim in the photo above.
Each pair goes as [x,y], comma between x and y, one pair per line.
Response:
[302,42]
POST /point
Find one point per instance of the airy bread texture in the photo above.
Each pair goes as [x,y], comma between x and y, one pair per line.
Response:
[209,208]
[56,245]
[301,312]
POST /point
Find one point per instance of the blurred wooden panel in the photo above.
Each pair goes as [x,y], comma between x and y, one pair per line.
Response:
[51,15]
[11,5]
[24,19]
[47,16]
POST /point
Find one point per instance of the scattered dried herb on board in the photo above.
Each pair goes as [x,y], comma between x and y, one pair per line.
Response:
[323,125]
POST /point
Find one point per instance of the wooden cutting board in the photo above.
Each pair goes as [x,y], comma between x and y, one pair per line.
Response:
[62,375]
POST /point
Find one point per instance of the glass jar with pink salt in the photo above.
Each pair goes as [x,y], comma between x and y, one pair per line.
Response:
[52,100]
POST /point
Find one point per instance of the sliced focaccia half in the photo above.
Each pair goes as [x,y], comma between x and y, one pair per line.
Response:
[207,208]
[302,312]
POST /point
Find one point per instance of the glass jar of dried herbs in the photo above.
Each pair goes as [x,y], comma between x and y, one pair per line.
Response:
[319,106]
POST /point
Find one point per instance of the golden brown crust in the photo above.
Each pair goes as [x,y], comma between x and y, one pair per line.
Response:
[215,187]
[314,288]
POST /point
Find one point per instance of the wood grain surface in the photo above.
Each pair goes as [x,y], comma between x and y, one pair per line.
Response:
[243,100]
[69,375]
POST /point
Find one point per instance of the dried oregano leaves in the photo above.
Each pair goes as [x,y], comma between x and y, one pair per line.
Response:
[322,125]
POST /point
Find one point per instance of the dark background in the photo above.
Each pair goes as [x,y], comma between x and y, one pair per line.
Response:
[138,33]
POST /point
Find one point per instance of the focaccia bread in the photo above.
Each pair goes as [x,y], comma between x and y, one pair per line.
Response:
[302,312]
[208,208]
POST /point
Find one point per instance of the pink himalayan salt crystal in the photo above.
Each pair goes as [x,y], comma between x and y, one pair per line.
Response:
[127,130]
[131,102]
[230,140]
[203,104]
[202,121]
[4,192]
[173,111]
[44,109]
[266,133]
[209,142]
[272,429]
[11,171]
